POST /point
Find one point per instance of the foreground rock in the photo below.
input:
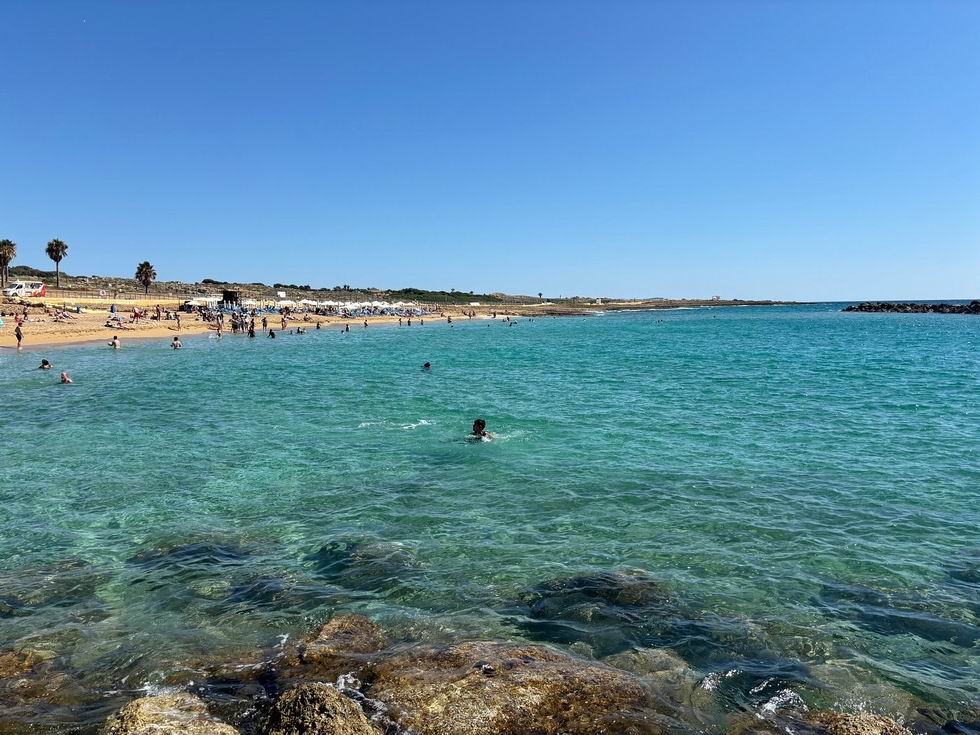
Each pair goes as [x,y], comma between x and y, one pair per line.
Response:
[896,308]
[822,723]
[316,709]
[166,714]
[342,636]
[496,688]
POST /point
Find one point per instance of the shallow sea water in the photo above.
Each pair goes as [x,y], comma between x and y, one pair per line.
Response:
[804,483]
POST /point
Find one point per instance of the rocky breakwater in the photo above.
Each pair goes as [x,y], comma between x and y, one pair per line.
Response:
[910,308]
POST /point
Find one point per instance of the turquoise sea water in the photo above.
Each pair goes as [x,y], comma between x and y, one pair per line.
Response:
[804,483]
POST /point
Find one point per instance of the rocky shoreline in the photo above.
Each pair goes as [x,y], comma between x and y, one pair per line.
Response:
[614,674]
[914,308]
[343,680]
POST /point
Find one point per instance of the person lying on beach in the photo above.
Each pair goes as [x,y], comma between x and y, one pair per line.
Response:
[65,380]
[480,432]
[45,365]
[176,344]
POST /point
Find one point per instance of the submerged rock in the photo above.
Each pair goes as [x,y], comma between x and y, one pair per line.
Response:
[191,557]
[495,688]
[372,566]
[610,611]
[343,636]
[316,709]
[895,614]
[166,714]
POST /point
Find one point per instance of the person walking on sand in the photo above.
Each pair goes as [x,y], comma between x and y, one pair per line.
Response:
[177,317]
[65,380]
[19,334]
[265,323]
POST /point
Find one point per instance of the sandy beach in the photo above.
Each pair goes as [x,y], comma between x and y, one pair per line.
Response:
[42,330]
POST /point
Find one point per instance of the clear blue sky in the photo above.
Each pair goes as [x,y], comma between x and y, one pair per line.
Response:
[822,150]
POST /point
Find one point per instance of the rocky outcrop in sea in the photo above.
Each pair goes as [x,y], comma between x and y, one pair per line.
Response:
[914,308]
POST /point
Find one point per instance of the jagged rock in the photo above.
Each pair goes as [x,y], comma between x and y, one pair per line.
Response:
[316,709]
[166,714]
[342,636]
[495,688]
[860,723]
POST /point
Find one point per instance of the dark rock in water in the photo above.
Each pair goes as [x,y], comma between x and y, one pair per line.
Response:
[166,714]
[957,727]
[272,593]
[495,688]
[894,614]
[372,566]
[65,583]
[316,709]
[911,308]
[190,557]
[610,611]
[11,607]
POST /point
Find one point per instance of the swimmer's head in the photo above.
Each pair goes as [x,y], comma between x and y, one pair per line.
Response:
[479,426]
[426,365]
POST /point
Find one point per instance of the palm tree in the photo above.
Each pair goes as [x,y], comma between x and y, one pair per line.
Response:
[56,250]
[540,295]
[8,251]
[145,274]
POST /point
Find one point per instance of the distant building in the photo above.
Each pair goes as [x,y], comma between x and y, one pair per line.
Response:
[716,298]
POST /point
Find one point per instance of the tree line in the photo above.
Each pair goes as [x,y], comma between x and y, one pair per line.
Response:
[57,250]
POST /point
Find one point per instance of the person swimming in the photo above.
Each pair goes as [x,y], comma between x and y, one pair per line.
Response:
[65,380]
[45,365]
[272,334]
[426,366]
[480,432]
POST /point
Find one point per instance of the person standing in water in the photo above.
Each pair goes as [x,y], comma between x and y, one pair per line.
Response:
[65,380]
[176,344]
[115,343]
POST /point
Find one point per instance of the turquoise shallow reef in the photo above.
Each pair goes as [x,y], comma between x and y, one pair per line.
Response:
[802,484]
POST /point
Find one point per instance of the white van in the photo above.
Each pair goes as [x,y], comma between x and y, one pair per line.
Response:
[25,288]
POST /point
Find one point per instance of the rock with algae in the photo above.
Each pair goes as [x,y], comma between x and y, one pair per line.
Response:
[496,688]
[316,709]
[166,714]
